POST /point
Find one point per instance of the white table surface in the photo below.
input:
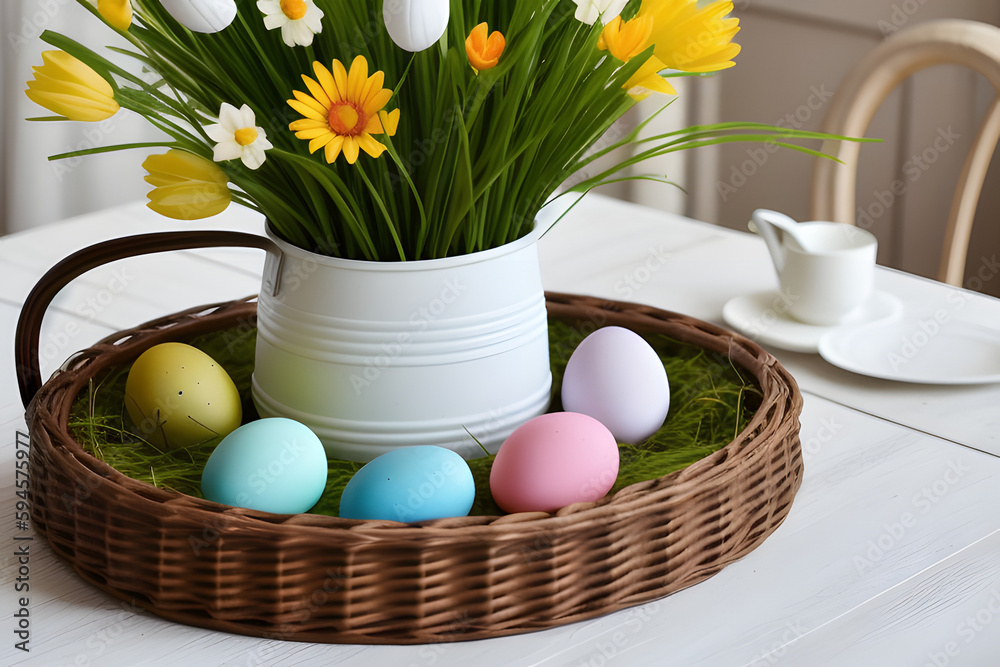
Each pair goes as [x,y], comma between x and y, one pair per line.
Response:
[890,555]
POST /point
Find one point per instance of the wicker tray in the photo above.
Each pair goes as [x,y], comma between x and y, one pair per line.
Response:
[324,579]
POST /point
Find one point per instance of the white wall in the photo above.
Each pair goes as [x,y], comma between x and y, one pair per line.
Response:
[33,190]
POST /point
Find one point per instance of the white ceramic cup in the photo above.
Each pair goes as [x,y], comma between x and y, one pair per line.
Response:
[829,276]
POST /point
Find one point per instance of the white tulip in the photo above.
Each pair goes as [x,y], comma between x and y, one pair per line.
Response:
[588,11]
[415,25]
[201,15]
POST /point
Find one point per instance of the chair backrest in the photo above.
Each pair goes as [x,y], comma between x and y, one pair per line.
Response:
[953,42]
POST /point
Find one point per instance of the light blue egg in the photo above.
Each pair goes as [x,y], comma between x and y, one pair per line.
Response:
[410,484]
[273,465]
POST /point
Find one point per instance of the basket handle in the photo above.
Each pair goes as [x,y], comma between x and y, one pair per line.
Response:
[29,324]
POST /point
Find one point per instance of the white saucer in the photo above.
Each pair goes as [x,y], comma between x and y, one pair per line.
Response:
[764,318]
[919,349]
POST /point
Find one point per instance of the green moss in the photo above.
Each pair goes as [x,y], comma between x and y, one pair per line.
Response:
[711,402]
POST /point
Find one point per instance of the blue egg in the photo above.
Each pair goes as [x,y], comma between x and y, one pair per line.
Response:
[410,484]
[273,465]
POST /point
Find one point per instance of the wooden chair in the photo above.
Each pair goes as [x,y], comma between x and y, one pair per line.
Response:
[952,41]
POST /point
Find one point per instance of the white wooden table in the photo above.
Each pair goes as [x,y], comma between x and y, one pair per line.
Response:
[890,555]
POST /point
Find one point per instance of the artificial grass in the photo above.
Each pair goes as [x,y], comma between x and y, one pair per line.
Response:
[711,402]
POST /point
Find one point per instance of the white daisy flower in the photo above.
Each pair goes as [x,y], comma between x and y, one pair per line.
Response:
[299,20]
[238,136]
[588,11]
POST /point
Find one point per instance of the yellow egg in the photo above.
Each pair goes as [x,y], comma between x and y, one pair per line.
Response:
[179,396]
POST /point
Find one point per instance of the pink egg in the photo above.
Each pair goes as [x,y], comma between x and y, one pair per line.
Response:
[554,460]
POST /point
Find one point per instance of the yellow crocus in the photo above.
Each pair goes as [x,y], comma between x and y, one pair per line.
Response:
[186,186]
[692,39]
[68,87]
[626,39]
[484,48]
[118,13]
[647,80]
[683,37]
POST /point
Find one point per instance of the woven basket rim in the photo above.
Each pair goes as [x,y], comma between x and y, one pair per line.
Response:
[78,370]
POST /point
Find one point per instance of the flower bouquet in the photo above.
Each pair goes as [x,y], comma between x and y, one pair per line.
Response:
[419,136]
[395,130]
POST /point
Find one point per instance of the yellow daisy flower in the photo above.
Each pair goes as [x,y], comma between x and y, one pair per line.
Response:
[343,110]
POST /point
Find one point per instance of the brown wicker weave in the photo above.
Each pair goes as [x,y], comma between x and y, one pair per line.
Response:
[323,579]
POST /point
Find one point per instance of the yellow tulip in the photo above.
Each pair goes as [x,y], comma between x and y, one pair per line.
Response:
[116,12]
[68,87]
[187,187]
